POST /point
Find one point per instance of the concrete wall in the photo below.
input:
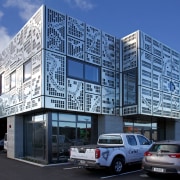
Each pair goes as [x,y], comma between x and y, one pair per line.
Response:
[110,124]
[15,136]
[177,129]
[170,133]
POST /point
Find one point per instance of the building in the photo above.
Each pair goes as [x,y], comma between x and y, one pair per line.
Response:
[64,82]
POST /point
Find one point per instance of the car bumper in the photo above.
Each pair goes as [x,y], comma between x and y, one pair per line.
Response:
[85,163]
[161,169]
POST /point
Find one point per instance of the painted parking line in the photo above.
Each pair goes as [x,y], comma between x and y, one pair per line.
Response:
[106,177]
[71,168]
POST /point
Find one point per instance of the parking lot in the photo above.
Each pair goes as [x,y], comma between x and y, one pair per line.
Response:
[15,169]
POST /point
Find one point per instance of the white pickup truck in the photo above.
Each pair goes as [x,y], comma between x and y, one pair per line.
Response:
[113,151]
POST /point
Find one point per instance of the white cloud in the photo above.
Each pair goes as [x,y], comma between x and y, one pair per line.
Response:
[27,7]
[82,4]
[5,38]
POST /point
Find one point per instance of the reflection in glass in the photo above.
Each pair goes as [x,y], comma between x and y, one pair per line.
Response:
[129,88]
[146,127]
[35,134]
[68,130]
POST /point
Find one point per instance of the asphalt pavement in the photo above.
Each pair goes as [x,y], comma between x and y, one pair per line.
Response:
[11,169]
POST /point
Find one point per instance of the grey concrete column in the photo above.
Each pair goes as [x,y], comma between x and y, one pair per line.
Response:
[15,136]
[177,129]
[110,124]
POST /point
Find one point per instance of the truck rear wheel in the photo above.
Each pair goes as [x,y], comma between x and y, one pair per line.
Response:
[117,165]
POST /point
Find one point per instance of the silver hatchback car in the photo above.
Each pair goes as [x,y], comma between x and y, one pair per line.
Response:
[162,158]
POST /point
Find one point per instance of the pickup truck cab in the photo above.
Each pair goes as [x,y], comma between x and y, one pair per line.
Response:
[113,151]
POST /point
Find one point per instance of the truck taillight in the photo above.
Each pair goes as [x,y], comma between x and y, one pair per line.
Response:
[97,153]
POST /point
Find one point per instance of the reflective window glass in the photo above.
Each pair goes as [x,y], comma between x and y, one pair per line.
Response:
[92,73]
[2,84]
[75,69]
[27,70]
[13,79]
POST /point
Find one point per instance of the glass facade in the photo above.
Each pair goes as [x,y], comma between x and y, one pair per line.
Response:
[83,71]
[35,137]
[147,127]
[68,130]
[130,88]
[65,130]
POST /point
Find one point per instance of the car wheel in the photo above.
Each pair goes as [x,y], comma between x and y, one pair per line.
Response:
[117,165]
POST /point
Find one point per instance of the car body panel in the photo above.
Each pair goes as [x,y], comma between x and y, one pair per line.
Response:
[162,158]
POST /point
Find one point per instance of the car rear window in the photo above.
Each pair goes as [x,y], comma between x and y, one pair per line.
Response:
[166,148]
[105,139]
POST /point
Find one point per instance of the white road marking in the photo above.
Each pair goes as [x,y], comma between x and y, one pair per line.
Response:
[71,168]
[106,177]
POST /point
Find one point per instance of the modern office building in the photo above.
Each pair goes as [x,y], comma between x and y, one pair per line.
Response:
[63,82]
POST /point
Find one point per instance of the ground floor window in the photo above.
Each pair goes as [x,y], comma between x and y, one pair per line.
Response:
[146,126]
[48,136]
[68,130]
[35,137]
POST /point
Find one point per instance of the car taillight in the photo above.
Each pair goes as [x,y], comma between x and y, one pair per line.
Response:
[147,153]
[174,155]
[97,153]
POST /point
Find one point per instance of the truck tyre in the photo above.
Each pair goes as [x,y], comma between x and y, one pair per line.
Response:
[117,165]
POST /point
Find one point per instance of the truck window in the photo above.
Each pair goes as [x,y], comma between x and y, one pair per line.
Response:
[143,140]
[131,140]
[110,140]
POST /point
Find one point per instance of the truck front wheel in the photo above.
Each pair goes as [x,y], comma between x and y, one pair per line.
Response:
[117,165]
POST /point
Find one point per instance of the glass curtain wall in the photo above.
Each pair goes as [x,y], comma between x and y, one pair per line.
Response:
[68,130]
[146,127]
[129,91]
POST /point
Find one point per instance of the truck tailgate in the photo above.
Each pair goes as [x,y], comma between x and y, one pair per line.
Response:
[83,152]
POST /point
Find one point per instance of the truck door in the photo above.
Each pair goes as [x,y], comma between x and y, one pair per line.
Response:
[133,151]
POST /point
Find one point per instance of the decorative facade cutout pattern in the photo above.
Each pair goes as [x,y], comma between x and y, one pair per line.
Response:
[55,75]
[56,31]
[75,95]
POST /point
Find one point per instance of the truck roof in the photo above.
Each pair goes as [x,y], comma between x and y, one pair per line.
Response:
[119,134]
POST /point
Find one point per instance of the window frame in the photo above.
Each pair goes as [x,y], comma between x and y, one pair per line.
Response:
[83,75]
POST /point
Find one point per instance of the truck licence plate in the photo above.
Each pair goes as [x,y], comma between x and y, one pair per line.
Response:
[82,162]
[158,169]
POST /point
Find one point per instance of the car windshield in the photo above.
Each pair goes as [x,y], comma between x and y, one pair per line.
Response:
[166,148]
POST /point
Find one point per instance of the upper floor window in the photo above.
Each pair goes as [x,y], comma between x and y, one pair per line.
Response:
[92,73]
[27,70]
[129,87]
[83,71]
[2,83]
[13,80]
[75,69]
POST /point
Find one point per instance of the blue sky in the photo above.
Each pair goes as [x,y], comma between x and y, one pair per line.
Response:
[158,18]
